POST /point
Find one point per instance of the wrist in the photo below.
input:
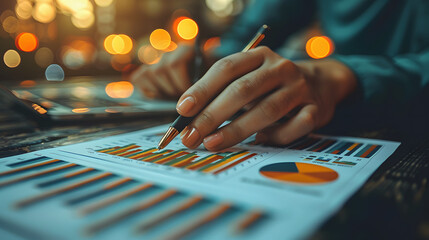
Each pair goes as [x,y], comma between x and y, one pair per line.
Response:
[331,75]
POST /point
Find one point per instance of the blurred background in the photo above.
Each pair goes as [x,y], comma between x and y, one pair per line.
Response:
[102,37]
[53,39]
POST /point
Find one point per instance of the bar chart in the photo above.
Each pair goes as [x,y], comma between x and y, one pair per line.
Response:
[107,200]
[215,163]
[336,147]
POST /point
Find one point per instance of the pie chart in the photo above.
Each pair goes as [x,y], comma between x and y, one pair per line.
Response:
[297,172]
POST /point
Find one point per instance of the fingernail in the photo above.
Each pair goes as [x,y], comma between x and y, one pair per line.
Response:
[184,132]
[186,105]
[193,138]
[213,140]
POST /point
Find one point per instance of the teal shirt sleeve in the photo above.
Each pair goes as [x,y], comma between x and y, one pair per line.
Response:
[388,82]
[284,17]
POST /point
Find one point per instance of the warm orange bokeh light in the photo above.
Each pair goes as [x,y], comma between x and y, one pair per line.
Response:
[122,89]
[28,83]
[160,39]
[108,44]
[211,43]
[319,47]
[118,44]
[172,47]
[187,29]
[80,110]
[26,42]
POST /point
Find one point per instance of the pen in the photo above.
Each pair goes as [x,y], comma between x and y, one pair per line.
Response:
[181,122]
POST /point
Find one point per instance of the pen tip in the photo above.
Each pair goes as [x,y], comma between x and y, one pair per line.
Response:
[168,137]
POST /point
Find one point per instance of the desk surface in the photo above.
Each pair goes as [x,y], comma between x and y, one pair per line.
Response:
[390,205]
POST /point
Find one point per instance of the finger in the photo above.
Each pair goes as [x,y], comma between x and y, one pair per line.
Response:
[161,81]
[268,111]
[298,126]
[216,79]
[141,79]
[239,93]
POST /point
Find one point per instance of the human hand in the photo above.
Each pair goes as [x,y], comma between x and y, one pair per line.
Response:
[274,86]
[168,78]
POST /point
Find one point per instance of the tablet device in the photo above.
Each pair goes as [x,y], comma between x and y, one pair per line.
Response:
[84,98]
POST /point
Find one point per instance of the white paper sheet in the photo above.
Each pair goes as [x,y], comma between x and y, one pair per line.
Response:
[296,187]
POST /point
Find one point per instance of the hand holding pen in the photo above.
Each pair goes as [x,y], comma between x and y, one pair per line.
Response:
[181,122]
[273,86]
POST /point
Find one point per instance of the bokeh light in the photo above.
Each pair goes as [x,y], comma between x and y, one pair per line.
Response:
[10,24]
[221,8]
[121,89]
[26,42]
[211,44]
[24,9]
[108,44]
[80,110]
[44,12]
[11,58]
[44,57]
[118,44]
[319,47]
[187,29]
[27,83]
[120,62]
[78,53]
[83,19]
[103,3]
[54,72]
[172,47]
[160,39]
[148,55]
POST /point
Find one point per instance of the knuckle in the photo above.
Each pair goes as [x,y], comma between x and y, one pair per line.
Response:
[224,65]
[271,109]
[242,88]
[205,120]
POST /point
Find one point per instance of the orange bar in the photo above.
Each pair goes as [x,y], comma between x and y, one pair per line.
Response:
[85,170]
[128,153]
[352,146]
[368,151]
[37,174]
[235,163]
[335,152]
[131,211]
[248,221]
[159,218]
[117,183]
[204,219]
[184,162]
[204,163]
[54,192]
[157,155]
[166,159]
[28,167]
[121,150]
[143,154]
[116,198]
[225,162]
